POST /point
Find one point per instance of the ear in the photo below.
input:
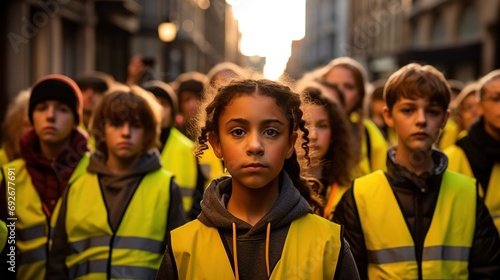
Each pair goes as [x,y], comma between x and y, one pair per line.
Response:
[291,143]
[388,117]
[214,141]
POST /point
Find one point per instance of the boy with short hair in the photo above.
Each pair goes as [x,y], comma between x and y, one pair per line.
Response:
[114,219]
[418,220]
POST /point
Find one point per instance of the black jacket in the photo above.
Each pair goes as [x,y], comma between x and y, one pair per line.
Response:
[417,198]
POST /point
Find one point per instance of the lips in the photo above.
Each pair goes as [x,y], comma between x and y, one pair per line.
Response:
[420,135]
[124,144]
[49,129]
[254,167]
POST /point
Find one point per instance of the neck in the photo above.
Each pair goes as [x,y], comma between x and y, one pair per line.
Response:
[86,119]
[250,205]
[52,150]
[417,162]
[120,165]
[492,131]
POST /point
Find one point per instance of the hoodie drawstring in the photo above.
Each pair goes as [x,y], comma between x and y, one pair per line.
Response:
[268,237]
[235,253]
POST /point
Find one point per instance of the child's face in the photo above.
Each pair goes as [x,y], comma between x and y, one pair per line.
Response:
[344,79]
[469,110]
[254,140]
[489,106]
[124,140]
[378,113]
[53,121]
[417,123]
[166,114]
[320,131]
[90,99]
[189,104]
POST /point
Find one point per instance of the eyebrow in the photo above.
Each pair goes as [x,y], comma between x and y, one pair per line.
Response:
[244,121]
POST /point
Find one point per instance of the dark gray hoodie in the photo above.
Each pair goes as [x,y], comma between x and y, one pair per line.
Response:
[117,192]
[251,240]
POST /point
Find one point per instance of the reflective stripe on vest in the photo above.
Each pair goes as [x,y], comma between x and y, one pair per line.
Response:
[32,229]
[492,198]
[311,251]
[178,157]
[390,246]
[136,247]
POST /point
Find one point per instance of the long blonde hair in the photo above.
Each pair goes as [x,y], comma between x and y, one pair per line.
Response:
[13,124]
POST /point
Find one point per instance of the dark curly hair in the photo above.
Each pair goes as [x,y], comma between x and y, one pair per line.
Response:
[341,157]
[286,99]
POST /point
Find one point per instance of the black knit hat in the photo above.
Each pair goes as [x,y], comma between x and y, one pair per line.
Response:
[60,88]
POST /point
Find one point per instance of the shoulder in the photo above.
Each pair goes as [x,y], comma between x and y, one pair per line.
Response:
[180,139]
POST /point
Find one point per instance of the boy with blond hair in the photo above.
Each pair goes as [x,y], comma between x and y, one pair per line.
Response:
[418,220]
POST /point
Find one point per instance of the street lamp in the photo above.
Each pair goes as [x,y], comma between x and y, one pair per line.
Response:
[167,31]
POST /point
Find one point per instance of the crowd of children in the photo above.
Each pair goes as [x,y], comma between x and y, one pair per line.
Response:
[227,175]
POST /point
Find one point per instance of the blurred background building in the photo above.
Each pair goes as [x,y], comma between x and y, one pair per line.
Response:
[460,37]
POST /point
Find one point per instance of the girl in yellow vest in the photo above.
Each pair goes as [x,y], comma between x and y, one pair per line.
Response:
[478,154]
[418,220]
[330,136]
[349,76]
[33,184]
[177,151]
[259,222]
[114,218]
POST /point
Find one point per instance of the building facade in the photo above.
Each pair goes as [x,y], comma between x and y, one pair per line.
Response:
[76,36]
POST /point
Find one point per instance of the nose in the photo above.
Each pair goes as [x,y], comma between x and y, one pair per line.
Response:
[50,113]
[421,118]
[125,129]
[254,146]
[312,133]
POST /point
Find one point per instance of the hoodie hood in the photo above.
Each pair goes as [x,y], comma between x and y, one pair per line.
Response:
[289,206]
[118,189]
[423,181]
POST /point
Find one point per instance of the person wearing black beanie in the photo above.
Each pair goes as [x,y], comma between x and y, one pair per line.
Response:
[50,152]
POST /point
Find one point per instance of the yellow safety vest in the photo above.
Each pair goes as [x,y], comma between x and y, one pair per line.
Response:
[32,225]
[449,135]
[135,249]
[376,160]
[178,157]
[458,162]
[334,194]
[311,251]
[389,244]
[3,157]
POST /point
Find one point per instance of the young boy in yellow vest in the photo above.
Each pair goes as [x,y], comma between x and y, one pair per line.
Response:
[33,184]
[418,220]
[114,218]
[177,151]
[478,154]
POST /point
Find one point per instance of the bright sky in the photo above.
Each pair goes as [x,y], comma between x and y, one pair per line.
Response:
[268,28]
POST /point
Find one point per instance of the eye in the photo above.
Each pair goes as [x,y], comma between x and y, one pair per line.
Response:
[434,112]
[406,110]
[238,132]
[41,106]
[136,124]
[271,132]
[63,108]
[322,126]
